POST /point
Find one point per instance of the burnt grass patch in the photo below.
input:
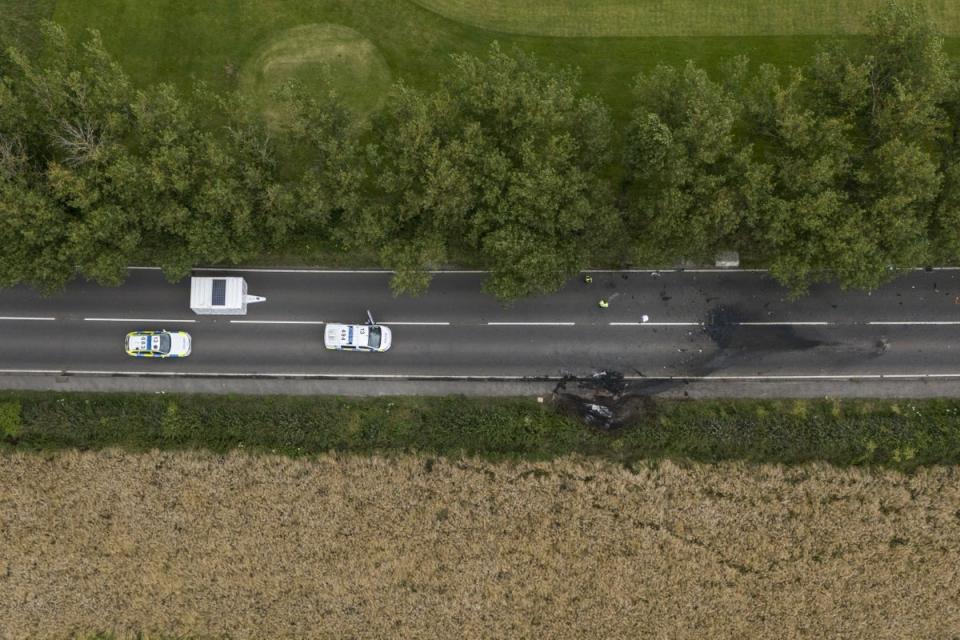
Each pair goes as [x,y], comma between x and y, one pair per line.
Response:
[607,402]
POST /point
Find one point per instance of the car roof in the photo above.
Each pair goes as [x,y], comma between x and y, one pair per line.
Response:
[343,335]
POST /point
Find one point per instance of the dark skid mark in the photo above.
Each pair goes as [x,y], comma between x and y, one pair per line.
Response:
[722,326]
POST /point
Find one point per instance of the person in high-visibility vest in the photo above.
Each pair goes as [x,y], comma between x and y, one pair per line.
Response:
[603,304]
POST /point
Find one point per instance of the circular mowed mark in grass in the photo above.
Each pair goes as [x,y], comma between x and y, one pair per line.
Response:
[319,57]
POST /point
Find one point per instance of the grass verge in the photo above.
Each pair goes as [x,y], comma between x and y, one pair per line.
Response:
[20,21]
[902,435]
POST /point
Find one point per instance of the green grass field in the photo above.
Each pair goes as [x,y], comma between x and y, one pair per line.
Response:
[645,18]
[219,41]
[315,55]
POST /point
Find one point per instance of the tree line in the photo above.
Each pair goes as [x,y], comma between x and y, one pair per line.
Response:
[844,170]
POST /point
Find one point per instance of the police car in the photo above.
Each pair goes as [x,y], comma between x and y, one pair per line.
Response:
[158,344]
[357,337]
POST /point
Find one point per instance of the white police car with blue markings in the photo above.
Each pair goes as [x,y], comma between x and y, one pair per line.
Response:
[357,337]
[158,344]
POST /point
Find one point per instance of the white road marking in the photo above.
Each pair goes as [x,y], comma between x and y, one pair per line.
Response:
[25,318]
[32,371]
[400,376]
[531,324]
[917,322]
[480,271]
[656,324]
[277,322]
[171,320]
[790,323]
[784,324]
[323,322]
[701,270]
[852,376]
[329,271]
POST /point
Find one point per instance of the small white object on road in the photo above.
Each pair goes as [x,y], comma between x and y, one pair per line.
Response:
[645,318]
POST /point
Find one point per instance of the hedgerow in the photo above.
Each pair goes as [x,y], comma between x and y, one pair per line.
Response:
[892,433]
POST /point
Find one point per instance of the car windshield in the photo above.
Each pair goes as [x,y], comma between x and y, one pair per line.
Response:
[164,342]
[374,342]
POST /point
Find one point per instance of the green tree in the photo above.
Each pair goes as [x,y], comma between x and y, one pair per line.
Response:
[101,175]
[421,193]
[73,120]
[543,211]
[852,148]
[502,162]
[209,180]
[809,227]
[323,163]
[686,167]
[945,229]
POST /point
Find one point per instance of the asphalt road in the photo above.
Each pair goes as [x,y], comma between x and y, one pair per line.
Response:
[736,325]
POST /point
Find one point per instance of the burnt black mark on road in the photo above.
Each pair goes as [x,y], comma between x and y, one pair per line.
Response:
[607,401]
[723,327]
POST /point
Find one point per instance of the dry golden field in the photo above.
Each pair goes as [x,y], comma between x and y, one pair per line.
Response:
[351,547]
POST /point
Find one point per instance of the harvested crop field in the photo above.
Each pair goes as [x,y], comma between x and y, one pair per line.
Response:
[336,547]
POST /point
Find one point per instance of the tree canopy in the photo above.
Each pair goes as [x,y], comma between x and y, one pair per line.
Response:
[501,162]
[844,170]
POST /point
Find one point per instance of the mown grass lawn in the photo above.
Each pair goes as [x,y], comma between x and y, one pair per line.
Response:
[644,18]
[217,40]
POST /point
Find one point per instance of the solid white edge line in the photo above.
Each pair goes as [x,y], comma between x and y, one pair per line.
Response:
[442,271]
[277,322]
[24,318]
[677,270]
[531,324]
[258,270]
[171,320]
[391,376]
[330,271]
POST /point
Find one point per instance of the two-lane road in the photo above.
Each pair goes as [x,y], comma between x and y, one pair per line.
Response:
[711,323]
